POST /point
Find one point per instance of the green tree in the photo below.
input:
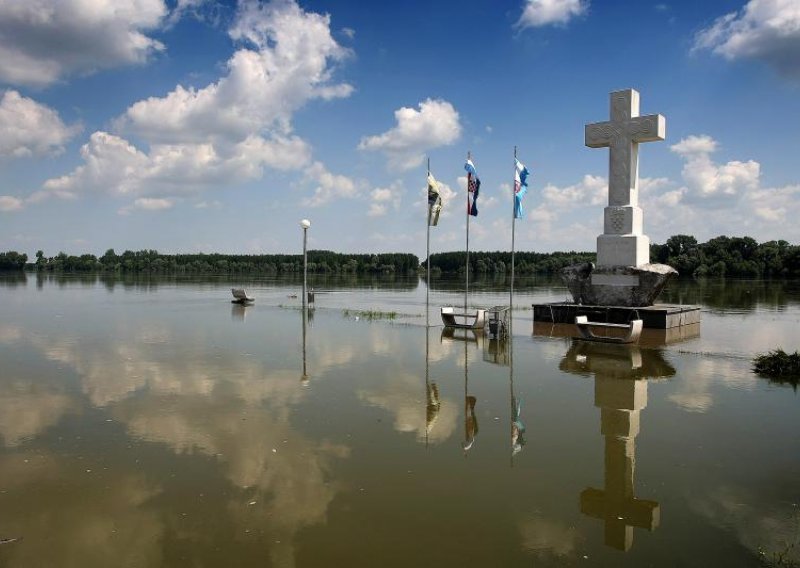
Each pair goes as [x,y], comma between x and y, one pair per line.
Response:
[12,260]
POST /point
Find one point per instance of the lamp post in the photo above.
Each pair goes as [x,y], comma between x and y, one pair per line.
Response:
[305,223]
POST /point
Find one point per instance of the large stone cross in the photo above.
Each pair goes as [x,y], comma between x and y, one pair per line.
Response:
[622,242]
[622,134]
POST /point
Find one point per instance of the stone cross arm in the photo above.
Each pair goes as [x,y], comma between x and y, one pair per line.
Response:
[641,513]
[622,135]
[635,129]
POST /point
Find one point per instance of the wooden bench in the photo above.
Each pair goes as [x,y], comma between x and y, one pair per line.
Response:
[473,320]
[633,328]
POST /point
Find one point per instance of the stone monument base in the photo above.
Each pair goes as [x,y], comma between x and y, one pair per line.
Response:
[626,286]
[659,316]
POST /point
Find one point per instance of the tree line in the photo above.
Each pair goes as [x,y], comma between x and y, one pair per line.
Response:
[720,256]
[153,262]
[499,262]
[12,260]
[741,257]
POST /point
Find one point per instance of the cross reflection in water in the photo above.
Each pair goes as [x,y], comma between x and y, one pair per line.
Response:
[621,374]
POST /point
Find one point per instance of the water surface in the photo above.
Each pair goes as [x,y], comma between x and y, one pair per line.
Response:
[152,423]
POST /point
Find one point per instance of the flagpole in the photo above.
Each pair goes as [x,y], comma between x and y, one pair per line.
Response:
[466,282]
[427,306]
[511,303]
[513,230]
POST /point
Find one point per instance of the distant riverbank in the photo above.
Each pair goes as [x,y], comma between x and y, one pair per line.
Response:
[740,257]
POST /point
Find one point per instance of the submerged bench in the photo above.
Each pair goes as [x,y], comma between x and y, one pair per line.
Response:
[471,320]
[634,330]
[240,296]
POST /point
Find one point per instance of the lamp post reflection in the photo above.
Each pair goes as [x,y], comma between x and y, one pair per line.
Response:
[308,319]
[620,374]
[304,377]
[305,224]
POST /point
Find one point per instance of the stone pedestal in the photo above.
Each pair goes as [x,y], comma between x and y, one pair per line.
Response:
[626,286]
[623,242]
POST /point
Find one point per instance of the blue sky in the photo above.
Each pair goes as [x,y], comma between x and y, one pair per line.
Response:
[198,125]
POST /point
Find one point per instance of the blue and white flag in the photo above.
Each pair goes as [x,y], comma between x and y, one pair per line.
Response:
[520,188]
[473,187]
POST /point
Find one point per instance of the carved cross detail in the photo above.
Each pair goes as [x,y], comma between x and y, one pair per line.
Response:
[622,134]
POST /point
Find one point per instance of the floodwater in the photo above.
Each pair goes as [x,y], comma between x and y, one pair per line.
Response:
[152,423]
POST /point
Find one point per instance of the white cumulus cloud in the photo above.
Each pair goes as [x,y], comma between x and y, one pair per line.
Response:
[231,130]
[288,60]
[694,145]
[591,190]
[147,204]
[771,213]
[537,13]
[669,199]
[706,179]
[110,162]
[382,198]
[718,198]
[775,205]
[29,128]
[329,186]
[10,203]
[203,10]
[555,219]
[435,124]
[768,30]
[42,41]
[114,165]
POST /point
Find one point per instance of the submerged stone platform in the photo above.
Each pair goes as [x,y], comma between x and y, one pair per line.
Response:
[658,316]
[650,337]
